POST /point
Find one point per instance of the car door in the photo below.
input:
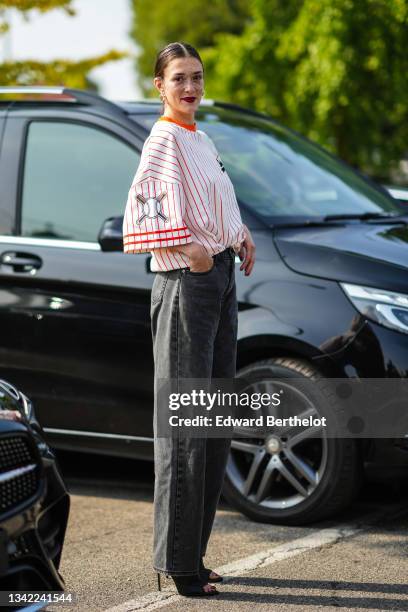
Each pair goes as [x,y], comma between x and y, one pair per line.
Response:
[76,318]
[5,216]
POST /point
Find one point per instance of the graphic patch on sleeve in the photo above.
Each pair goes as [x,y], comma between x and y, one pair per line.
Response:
[152,207]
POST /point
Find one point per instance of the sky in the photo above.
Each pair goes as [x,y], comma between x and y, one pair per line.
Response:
[97,27]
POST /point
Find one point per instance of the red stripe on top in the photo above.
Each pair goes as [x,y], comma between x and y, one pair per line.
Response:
[200,203]
[157,240]
[176,229]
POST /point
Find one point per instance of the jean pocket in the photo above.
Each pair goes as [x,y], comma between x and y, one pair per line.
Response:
[206,273]
[159,285]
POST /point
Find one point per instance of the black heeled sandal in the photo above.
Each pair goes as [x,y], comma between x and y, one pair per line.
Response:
[189,586]
[205,574]
[158,580]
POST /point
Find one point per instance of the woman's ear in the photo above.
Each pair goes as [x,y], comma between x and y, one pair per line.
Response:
[157,82]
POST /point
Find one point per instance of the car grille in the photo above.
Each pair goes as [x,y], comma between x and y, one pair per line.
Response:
[19,472]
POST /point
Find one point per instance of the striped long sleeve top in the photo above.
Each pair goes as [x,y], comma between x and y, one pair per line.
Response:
[180,193]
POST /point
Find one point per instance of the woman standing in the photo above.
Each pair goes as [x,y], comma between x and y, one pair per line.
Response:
[182,207]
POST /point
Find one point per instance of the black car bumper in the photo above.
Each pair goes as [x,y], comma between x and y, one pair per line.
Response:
[33,515]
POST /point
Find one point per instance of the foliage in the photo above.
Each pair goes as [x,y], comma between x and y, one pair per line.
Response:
[156,24]
[24,6]
[333,69]
[41,5]
[57,72]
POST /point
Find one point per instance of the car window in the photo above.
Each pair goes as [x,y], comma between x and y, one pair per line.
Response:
[278,174]
[75,176]
[146,121]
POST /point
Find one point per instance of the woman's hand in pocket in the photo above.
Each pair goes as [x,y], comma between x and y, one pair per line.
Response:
[200,260]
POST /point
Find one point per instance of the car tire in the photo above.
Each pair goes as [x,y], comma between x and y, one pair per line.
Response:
[336,484]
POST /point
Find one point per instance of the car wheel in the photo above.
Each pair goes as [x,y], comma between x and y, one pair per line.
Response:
[294,479]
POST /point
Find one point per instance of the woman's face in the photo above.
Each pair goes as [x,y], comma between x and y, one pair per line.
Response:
[183,78]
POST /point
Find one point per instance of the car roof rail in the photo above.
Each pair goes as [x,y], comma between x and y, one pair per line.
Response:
[242,109]
[60,94]
[154,102]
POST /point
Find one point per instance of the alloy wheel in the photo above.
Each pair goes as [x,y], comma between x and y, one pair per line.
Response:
[278,468]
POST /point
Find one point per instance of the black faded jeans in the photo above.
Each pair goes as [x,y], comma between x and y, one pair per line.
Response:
[194,318]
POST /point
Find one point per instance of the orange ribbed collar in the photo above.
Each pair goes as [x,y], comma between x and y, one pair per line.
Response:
[192,128]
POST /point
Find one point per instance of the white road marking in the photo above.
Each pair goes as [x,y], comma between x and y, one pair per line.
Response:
[317,539]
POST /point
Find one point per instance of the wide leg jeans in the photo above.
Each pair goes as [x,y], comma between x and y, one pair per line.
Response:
[194,320]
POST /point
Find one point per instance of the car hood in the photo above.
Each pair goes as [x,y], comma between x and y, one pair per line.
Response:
[375,255]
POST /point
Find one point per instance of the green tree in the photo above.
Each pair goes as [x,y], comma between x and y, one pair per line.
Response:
[155,24]
[333,69]
[57,72]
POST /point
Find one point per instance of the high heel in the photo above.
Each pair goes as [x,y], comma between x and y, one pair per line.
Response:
[192,585]
[205,574]
[158,582]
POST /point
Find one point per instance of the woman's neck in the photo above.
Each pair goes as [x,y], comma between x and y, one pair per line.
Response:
[187,118]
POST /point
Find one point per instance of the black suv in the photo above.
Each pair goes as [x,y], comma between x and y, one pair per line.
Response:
[34,502]
[327,297]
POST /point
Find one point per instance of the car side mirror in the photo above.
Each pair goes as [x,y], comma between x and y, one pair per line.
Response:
[110,236]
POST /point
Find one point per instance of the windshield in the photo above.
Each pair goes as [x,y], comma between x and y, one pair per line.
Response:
[279,175]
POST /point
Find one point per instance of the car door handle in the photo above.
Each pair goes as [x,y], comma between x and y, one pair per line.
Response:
[20,262]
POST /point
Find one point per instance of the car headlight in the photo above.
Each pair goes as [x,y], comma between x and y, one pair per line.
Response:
[27,406]
[384,307]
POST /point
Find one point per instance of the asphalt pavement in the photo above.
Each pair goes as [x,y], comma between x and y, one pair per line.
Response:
[358,561]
